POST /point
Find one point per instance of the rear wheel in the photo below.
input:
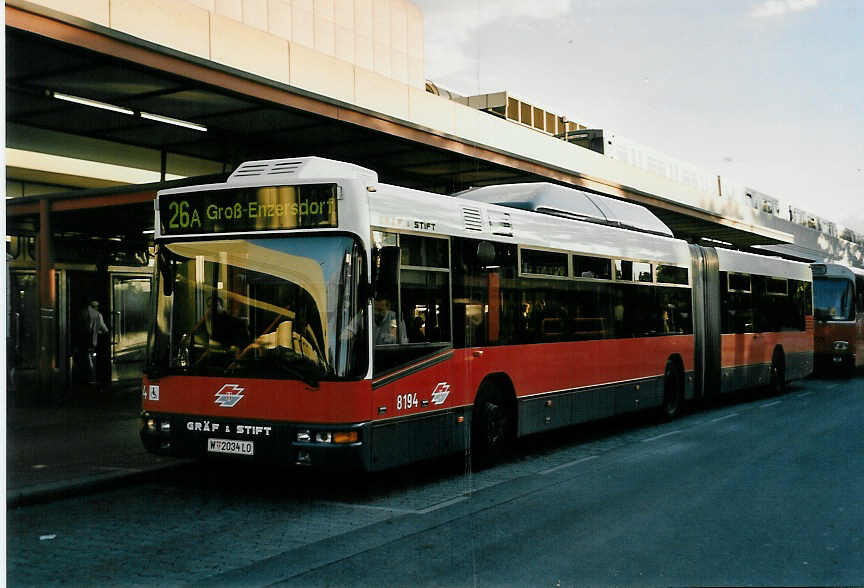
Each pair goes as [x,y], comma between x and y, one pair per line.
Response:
[492,426]
[673,391]
[778,373]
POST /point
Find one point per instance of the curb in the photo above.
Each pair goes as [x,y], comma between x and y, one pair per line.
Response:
[49,492]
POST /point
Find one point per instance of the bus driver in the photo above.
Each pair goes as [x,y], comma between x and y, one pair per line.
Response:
[386,328]
[227,330]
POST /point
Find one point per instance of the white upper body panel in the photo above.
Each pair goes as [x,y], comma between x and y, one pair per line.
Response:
[404,209]
[363,203]
[297,170]
[750,263]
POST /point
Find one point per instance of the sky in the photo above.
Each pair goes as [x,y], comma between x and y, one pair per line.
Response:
[767,93]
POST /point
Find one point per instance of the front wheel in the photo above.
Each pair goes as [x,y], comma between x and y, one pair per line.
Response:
[492,427]
[673,396]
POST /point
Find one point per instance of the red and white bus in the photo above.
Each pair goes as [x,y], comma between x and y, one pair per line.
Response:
[838,302]
[307,314]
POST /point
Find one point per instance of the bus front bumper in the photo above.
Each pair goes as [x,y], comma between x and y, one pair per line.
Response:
[840,356]
[323,447]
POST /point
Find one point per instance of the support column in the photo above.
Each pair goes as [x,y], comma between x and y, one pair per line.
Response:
[47,306]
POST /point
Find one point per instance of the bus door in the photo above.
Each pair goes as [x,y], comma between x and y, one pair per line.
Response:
[130,310]
[477,306]
[413,380]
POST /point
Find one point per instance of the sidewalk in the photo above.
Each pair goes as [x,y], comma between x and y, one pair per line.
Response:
[89,443]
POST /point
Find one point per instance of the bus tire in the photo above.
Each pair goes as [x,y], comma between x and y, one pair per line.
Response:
[778,373]
[673,391]
[492,426]
[849,367]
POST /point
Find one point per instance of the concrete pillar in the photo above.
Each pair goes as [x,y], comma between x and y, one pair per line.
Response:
[47,306]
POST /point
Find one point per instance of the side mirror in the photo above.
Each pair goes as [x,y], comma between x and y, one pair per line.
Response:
[167,271]
[364,284]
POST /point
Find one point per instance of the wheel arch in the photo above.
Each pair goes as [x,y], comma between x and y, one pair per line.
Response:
[501,383]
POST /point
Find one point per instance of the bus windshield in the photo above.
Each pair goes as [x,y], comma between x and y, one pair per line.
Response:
[833,299]
[289,308]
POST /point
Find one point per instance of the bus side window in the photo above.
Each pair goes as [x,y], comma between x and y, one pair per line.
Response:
[802,302]
[412,298]
[487,304]
[424,289]
[425,306]
[675,306]
[386,284]
[736,296]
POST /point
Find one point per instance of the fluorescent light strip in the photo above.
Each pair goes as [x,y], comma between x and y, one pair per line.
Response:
[150,116]
[718,241]
[93,103]
[174,121]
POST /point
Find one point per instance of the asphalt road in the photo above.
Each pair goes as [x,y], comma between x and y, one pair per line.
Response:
[758,490]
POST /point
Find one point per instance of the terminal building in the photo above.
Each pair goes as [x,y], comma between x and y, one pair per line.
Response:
[108,101]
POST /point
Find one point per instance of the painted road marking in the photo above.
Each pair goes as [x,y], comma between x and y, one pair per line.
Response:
[394,509]
[775,403]
[723,418]
[367,506]
[661,436]
[444,504]
[568,464]
[805,394]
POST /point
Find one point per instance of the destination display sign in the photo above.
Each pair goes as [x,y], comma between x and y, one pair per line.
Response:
[267,208]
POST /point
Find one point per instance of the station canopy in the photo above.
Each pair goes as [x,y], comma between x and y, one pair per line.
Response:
[246,118]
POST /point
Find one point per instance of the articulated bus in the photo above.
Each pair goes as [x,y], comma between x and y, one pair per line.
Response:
[307,314]
[838,301]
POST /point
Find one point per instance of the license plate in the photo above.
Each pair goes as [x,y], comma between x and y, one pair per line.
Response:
[231,446]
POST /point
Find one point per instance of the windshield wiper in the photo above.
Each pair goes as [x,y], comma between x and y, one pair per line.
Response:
[302,368]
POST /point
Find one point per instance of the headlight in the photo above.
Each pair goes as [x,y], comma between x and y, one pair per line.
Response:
[165,426]
[840,346]
[331,437]
[151,425]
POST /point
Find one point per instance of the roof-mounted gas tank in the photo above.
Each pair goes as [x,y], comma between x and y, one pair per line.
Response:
[556,200]
[298,169]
